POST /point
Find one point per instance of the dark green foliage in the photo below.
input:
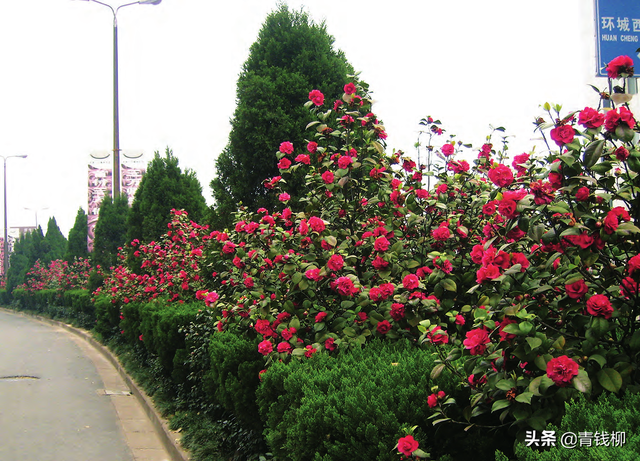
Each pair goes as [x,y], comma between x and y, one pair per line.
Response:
[54,244]
[27,250]
[80,307]
[351,407]
[77,245]
[107,317]
[5,297]
[163,187]
[608,414]
[110,233]
[233,378]
[291,56]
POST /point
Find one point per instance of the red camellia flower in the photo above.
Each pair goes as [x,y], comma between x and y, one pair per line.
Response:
[265,347]
[621,66]
[622,153]
[617,117]
[504,336]
[476,341]
[407,445]
[561,370]
[286,147]
[577,289]
[317,224]
[284,347]
[345,286]
[383,327]
[284,197]
[447,149]
[335,263]
[316,97]
[634,264]
[410,282]
[313,274]
[263,326]
[441,234]
[344,162]
[349,88]
[438,336]
[284,163]
[563,134]
[582,195]
[320,316]
[599,305]
[303,158]
[611,220]
[397,311]
[381,244]
[329,344]
[327,177]
[501,175]
[590,118]
[518,161]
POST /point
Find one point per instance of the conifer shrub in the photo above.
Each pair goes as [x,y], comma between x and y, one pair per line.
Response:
[107,316]
[609,414]
[233,377]
[82,310]
[161,329]
[351,406]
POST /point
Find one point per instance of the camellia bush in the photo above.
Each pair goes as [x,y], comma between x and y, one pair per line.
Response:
[59,276]
[529,268]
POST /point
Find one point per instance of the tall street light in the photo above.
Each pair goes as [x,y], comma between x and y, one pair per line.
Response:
[5,256]
[116,116]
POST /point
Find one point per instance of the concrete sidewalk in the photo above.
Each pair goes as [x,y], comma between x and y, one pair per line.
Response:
[145,434]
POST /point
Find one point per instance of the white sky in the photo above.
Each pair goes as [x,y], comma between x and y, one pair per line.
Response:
[468,63]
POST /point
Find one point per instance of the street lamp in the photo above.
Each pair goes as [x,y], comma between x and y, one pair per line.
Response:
[5,256]
[35,210]
[116,115]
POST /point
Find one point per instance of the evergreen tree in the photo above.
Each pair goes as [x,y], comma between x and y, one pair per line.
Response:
[54,243]
[291,57]
[26,251]
[77,246]
[111,231]
[163,187]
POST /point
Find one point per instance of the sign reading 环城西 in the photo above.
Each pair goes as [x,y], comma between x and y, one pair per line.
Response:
[617,32]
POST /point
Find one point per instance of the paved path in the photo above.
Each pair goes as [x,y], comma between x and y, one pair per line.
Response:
[61,400]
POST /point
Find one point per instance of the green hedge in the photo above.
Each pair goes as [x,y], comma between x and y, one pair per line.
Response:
[354,406]
[234,376]
[608,414]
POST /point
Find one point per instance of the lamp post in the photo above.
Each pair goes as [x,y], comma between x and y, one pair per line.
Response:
[5,256]
[116,115]
[35,210]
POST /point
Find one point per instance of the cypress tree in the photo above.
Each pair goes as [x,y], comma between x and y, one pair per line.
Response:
[291,57]
[163,187]
[54,243]
[77,245]
[111,231]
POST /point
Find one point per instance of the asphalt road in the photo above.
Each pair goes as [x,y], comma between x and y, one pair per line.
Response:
[50,407]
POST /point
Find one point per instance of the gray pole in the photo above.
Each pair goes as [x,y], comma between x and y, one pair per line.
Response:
[5,256]
[5,246]
[116,116]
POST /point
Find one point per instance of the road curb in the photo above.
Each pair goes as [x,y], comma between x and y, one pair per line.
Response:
[167,437]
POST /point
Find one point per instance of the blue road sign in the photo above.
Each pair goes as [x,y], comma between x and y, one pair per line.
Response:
[617,32]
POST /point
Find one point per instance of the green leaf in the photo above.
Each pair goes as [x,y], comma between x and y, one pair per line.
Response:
[525,397]
[592,153]
[499,405]
[437,370]
[600,360]
[505,385]
[610,379]
[534,342]
[602,167]
[582,382]
[634,343]
[294,323]
[449,285]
